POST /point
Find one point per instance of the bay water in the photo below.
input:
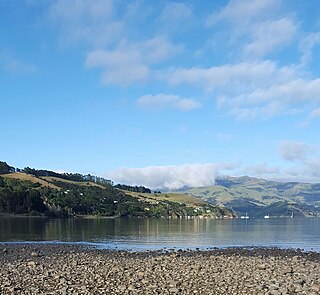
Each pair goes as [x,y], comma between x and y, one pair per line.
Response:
[154,234]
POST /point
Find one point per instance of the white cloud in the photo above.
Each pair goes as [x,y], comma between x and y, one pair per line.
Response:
[256,27]
[253,89]
[130,61]
[169,177]
[306,46]
[158,49]
[315,113]
[262,170]
[246,90]
[82,9]
[104,27]
[305,157]
[119,66]
[13,65]
[89,21]
[294,150]
[19,67]
[241,13]
[242,75]
[167,101]
[270,35]
[287,98]
[174,11]
[312,166]
[134,9]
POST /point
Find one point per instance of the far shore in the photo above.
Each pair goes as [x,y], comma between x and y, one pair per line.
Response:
[78,216]
[70,216]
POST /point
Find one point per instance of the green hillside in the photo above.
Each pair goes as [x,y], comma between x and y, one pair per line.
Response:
[43,192]
[192,206]
[259,197]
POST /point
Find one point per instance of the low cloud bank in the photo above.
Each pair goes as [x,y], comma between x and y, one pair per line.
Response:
[169,177]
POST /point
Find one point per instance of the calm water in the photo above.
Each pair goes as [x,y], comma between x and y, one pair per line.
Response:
[142,234]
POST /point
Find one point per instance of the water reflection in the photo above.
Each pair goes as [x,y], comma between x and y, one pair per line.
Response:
[158,233]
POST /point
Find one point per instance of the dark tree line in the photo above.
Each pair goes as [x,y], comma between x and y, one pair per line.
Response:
[68,176]
[5,168]
[138,189]
[20,197]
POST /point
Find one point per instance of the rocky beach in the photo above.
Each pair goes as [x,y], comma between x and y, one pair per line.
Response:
[75,269]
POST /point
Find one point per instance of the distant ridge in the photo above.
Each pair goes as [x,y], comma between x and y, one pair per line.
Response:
[259,196]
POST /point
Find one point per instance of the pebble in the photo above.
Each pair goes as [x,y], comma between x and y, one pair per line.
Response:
[66,269]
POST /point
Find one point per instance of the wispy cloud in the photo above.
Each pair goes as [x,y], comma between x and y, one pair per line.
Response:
[131,61]
[306,46]
[119,66]
[305,156]
[253,89]
[92,22]
[13,65]
[103,27]
[262,170]
[167,101]
[242,13]
[294,150]
[248,85]
[269,36]
[245,75]
[315,113]
[248,24]
[174,11]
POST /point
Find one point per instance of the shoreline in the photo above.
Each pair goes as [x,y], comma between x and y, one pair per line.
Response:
[77,269]
[12,248]
[158,250]
[144,217]
[82,246]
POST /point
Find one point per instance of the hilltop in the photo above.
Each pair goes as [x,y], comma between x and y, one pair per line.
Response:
[45,192]
[260,197]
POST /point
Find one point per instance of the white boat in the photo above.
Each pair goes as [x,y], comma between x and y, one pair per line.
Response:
[244,216]
[266,216]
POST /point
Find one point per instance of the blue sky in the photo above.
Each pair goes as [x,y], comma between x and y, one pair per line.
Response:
[162,93]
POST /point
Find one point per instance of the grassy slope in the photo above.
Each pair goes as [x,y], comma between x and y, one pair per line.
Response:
[28,177]
[52,179]
[246,193]
[219,193]
[46,180]
[172,197]
[222,194]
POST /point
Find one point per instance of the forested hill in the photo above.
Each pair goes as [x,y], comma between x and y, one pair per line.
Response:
[6,169]
[44,192]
